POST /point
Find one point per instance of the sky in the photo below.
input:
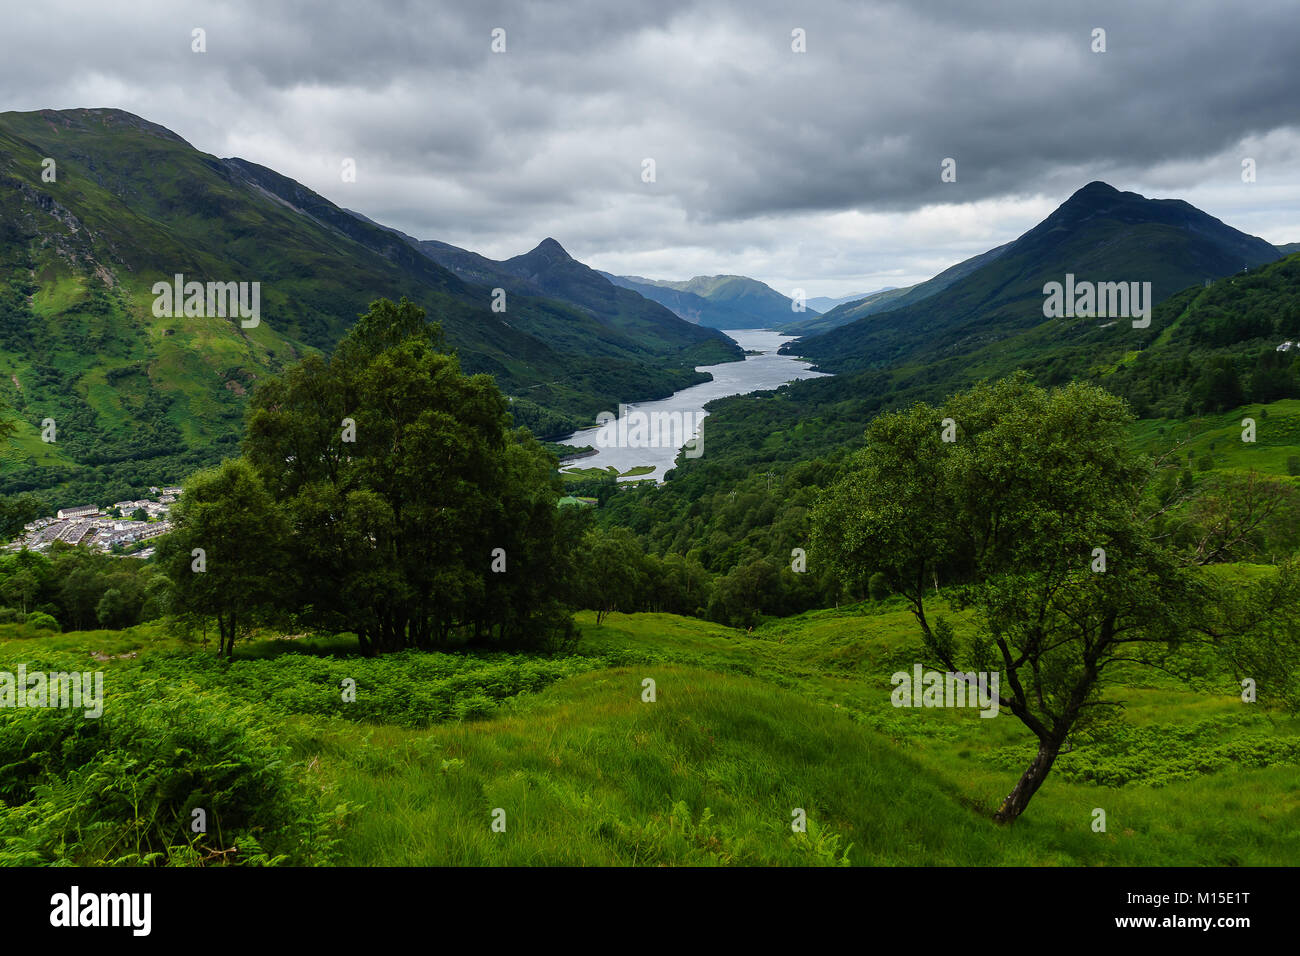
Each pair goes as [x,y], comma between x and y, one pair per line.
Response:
[815,169]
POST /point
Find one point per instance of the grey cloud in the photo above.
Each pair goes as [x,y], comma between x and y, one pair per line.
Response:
[752,141]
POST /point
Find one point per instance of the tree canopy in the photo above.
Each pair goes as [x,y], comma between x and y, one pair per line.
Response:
[403,505]
[1032,509]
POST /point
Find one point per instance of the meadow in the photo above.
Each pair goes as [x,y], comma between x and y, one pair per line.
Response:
[576,767]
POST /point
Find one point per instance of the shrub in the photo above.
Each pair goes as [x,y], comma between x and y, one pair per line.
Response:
[42,621]
[122,789]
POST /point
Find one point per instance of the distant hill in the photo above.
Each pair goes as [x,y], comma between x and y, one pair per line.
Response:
[1208,350]
[143,399]
[687,305]
[548,271]
[1290,249]
[823,304]
[720,302]
[893,299]
[1099,234]
[557,274]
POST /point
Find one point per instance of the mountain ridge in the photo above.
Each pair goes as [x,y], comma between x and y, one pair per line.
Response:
[1098,234]
[145,398]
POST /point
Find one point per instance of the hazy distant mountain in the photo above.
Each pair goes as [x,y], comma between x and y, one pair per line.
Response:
[823,304]
[846,313]
[889,300]
[1290,249]
[549,271]
[1099,234]
[558,274]
[720,302]
[688,305]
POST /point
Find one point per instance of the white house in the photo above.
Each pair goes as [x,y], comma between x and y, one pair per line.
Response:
[81,512]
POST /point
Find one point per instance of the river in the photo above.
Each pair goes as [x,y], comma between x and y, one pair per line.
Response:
[650,434]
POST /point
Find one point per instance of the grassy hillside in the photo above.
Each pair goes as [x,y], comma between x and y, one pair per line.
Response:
[745,729]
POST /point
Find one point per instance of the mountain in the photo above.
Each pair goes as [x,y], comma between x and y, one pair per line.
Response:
[733,302]
[1290,249]
[1099,234]
[548,271]
[687,305]
[892,299]
[139,398]
[1208,350]
[823,304]
[553,271]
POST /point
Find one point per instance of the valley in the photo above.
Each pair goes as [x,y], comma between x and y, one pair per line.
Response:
[764,369]
[474,560]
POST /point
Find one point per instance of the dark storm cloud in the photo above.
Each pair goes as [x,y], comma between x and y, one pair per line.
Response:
[764,156]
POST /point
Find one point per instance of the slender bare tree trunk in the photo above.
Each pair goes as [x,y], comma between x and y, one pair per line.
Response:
[1029,782]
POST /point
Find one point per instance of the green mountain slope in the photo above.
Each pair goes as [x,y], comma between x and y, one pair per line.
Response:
[824,304]
[138,398]
[554,272]
[687,305]
[1099,234]
[893,299]
[1208,350]
[550,272]
[848,312]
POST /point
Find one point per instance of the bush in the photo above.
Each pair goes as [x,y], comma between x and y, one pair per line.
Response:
[42,621]
[122,789]
[408,688]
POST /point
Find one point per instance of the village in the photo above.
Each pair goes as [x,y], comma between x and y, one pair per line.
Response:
[118,529]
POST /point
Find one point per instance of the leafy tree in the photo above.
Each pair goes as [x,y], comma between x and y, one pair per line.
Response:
[21,588]
[226,555]
[417,517]
[1012,518]
[611,572]
[746,592]
[115,609]
[80,594]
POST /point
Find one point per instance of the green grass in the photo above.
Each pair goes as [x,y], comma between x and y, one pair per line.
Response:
[745,730]
[586,474]
[1277,437]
